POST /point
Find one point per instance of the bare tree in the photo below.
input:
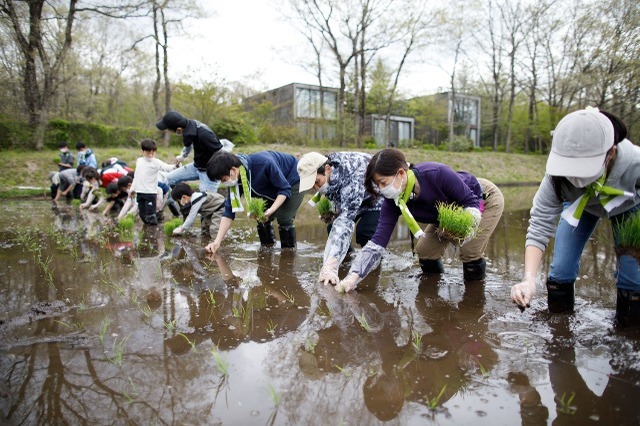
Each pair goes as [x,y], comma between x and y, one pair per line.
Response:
[42,31]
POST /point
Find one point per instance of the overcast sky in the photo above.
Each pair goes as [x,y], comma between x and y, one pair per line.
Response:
[249,41]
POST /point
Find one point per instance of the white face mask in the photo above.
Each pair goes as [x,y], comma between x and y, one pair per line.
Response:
[229,182]
[324,188]
[390,191]
[583,182]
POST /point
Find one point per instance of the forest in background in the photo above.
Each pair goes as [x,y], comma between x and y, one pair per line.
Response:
[101,70]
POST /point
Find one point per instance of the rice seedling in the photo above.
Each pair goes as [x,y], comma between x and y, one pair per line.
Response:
[221,363]
[483,370]
[344,371]
[117,350]
[324,206]
[256,207]
[362,319]
[455,224]
[628,235]
[104,325]
[433,403]
[565,404]
[130,396]
[76,202]
[118,288]
[171,225]
[274,395]
[126,223]
[45,266]
[288,296]
[310,346]
[192,343]
[170,325]
[416,341]
[28,239]
[146,311]
[211,298]
[271,327]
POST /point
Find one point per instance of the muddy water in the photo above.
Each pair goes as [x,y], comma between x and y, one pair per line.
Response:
[103,328]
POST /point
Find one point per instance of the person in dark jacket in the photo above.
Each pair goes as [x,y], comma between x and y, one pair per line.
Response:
[270,175]
[197,137]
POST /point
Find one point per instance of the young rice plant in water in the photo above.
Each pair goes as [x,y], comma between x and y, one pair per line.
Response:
[126,223]
[455,224]
[171,225]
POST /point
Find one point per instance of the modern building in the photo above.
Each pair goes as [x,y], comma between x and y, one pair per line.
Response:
[401,130]
[312,109]
[465,113]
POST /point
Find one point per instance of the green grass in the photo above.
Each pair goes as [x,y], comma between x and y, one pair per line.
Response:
[171,225]
[455,223]
[31,168]
[256,207]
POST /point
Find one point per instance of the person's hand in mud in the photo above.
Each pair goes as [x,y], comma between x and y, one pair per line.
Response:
[178,231]
[523,292]
[329,272]
[212,247]
[348,284]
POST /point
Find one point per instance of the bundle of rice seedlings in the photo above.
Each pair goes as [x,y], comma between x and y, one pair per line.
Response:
[171,225]
[456,224]
[76,202]
[256,207]
[126,223]
[629,236]
[325,209]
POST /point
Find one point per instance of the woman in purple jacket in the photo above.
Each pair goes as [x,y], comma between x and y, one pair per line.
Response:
[414,191]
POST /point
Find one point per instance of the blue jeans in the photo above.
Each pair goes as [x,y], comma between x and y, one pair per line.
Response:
[569,245]
[189,173]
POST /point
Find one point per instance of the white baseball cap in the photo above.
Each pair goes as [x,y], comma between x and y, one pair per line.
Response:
[308,169]
[580,144]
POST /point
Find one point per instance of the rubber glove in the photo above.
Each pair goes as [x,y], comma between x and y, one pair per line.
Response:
[329,272]
[179,159]
[348,284]
[178,230]
[523,292]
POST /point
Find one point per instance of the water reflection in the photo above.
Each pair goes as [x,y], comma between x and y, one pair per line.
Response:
[105,327]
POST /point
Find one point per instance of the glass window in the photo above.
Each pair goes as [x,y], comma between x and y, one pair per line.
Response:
[309,104]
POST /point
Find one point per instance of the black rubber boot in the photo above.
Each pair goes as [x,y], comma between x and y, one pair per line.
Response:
[628,308]
[560,296]
[431,266]
[266,234]
[174,208]
[475,270]
[287,236]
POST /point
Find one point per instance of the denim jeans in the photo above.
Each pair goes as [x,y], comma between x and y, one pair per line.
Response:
[189,173]
[570,243]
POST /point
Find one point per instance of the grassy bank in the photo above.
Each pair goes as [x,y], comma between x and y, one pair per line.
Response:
[26,172]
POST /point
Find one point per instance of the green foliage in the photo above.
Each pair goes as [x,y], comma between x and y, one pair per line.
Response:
[455,223]
[94,135]
[256,207]
[236,129]
[14,133]
[460,144]
[169,226]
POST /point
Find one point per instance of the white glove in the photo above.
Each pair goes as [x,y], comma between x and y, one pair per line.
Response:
[523,292]
[477,217]
[348,284]
[329,272]
[178,230]
[179,159]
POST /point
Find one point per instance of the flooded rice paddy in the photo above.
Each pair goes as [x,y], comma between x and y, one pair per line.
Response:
[141,328]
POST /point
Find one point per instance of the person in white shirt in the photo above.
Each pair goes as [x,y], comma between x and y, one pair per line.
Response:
[145,181]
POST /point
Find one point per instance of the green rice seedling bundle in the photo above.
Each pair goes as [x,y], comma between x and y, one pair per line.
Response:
[171,225]
[456,224]
[628,233]
[75,202]
[126,223]
[325,209]
[256,207]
